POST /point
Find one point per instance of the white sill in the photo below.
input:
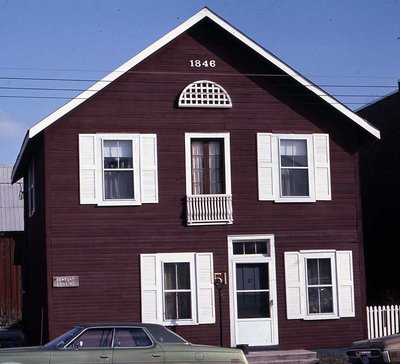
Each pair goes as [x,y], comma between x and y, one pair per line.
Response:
[119,203]
[321,317]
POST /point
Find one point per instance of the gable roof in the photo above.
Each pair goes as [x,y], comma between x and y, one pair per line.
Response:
[204,13]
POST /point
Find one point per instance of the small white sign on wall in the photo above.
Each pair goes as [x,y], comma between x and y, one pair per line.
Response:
[66,281]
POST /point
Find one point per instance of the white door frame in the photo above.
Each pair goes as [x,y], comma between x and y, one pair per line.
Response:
[256,258]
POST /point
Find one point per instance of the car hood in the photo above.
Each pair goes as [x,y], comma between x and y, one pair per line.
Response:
[379,343]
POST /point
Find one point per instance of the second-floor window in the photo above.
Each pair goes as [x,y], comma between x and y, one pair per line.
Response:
[118,169]
[293,167]
[207,167]
[207,164]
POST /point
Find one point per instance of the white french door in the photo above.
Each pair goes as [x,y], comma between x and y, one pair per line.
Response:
[253,291]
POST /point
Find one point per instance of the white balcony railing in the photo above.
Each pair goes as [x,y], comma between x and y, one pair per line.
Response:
[209,209]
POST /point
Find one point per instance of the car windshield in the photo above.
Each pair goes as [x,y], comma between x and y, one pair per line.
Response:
[62,340]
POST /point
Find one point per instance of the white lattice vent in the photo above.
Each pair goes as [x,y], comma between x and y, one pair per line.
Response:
[204,94]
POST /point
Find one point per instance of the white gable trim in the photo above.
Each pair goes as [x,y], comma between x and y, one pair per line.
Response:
[205,12]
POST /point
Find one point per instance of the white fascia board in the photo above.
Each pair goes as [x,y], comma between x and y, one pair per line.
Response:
[205,12]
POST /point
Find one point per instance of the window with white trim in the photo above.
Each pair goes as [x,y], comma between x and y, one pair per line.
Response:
[319,284]
[207,163]
[118,169]
[208,178]
[293,167]
[204,93]
[31,188]
[177,288]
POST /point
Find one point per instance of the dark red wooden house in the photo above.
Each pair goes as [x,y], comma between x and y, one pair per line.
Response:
[203,169]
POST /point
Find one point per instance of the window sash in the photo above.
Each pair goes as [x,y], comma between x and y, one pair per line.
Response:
[320,288]
[207,167]
[294,167]
[177,291]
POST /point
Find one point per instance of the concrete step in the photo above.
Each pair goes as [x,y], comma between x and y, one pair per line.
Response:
[282,357]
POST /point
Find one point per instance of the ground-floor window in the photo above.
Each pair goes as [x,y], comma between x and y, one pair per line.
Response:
[177,288]
[319,284]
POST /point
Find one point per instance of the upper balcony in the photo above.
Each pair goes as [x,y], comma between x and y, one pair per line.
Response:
[209,209]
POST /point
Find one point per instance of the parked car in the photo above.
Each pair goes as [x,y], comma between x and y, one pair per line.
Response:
[120,343]
[11,338]
[380,350]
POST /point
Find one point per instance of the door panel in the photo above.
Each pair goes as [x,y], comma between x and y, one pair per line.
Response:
[253,304]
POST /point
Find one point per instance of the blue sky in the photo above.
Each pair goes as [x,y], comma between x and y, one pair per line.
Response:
[354,43]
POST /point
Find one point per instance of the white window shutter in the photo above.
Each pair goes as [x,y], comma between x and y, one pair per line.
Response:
[295,286]
[87,169]
[148,168]
[265,167]
[344,262]
[150,286]
[322,167]
[205,288]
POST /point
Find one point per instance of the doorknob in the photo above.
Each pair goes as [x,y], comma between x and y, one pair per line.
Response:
[271,302]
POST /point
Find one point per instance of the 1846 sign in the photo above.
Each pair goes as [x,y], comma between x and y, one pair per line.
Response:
[200,63]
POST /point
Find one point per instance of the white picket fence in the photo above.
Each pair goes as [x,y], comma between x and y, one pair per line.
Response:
[383,320]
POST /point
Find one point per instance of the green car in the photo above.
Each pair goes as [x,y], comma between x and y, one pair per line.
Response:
[120,343]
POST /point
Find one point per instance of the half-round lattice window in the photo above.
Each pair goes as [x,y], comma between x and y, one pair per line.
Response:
[204,94]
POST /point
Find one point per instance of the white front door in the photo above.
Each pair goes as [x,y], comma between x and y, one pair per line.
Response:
[253,291]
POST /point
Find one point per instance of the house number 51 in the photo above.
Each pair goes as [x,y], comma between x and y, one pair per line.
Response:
[198,63]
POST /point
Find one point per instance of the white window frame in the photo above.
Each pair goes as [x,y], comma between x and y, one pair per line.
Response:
[227,158]
[91,171]
[134,138]
[180,258]
[310,168]
[31,188]
[202,287]
[342,284]
[332,257]
[269,169]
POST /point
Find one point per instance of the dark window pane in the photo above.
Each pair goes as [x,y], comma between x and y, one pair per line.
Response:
[320,300]
[261,247]
[118,185]
[169,276]
[249,247]
[128,338]
[178,305]
[183,275]
[184,305]
[325,275]
[170,306]
[238,248]
[253,304]
[319,271]
[96,338]
[294,182]
[293,153]
[252,276]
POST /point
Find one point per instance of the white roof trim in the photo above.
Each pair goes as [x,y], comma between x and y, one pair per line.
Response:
[205,12]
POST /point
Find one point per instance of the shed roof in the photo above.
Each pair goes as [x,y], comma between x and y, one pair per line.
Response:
[203,13]
[11,206]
